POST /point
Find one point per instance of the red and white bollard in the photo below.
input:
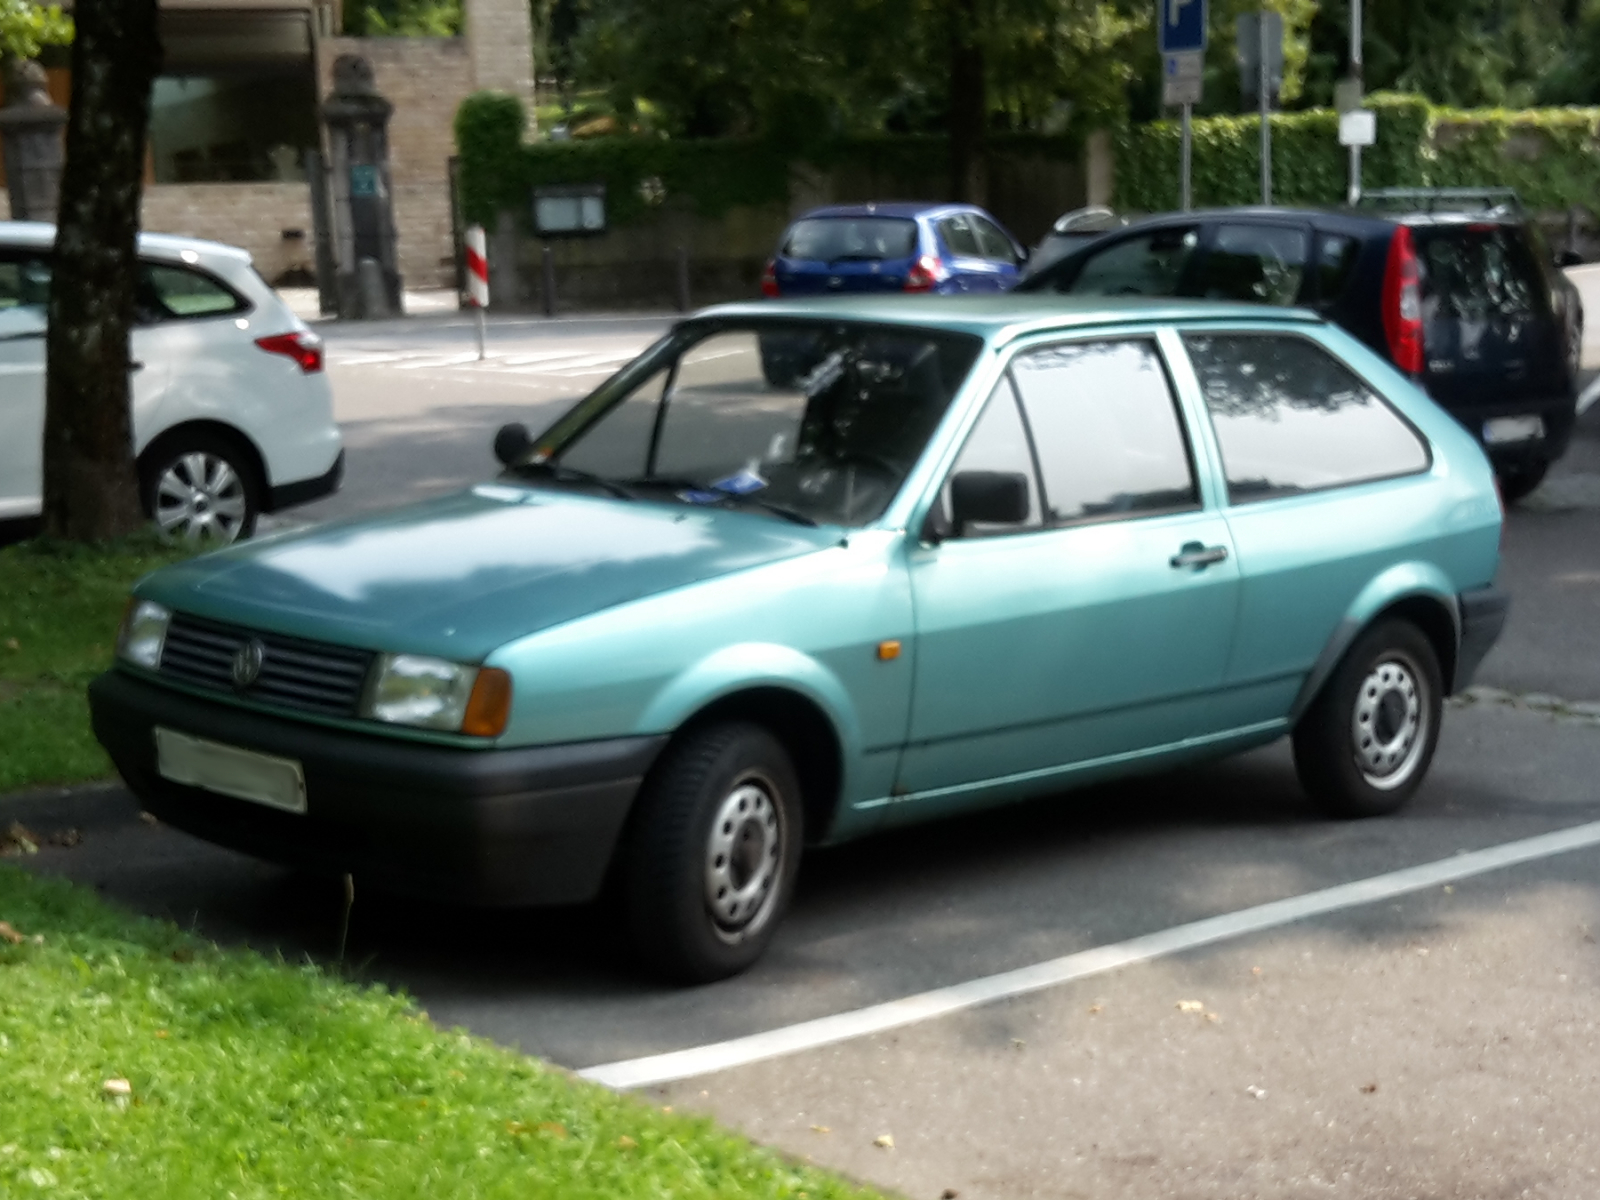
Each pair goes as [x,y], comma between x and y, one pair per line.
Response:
[478,277]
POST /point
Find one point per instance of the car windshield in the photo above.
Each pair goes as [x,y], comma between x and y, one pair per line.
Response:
[808,420]
[865,239]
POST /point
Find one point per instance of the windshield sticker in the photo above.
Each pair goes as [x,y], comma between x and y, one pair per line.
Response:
[697,497]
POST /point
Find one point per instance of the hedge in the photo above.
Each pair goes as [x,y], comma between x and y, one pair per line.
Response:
[498,169]
[1550,156]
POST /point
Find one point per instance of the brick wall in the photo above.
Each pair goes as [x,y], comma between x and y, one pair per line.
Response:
[252,215]
[425,79]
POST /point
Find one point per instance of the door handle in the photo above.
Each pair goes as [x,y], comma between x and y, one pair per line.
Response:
[1194,554]
[135,366]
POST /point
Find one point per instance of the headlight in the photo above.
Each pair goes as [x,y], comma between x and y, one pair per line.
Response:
[143,633]
[434,693]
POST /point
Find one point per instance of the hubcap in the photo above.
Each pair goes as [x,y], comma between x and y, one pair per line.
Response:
[200,498]
[1390,723]
[744,856]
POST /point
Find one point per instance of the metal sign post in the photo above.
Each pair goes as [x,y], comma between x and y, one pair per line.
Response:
[1265,88]
[478,278]
[1259,42]
[1355,77]
[1181,27]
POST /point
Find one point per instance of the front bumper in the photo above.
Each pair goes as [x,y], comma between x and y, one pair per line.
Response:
[500,827]
[1483,616]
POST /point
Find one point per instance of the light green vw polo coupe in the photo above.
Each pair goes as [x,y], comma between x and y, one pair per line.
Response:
[805,571]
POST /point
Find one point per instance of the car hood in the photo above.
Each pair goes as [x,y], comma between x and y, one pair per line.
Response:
[463,575]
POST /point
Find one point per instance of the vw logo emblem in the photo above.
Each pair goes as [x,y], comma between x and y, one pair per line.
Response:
[835,281]
[247,663]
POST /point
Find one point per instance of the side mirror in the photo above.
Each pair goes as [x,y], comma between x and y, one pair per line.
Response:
[512,443]
[1569,258]
[988,498]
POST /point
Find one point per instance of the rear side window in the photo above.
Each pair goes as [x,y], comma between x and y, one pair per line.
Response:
[1258,264]
[1106,430]
[1336,263]
[994,244]
[1291,418]
[1474,274]
[959,235]
[1149,264]
[859,239]
[166,292]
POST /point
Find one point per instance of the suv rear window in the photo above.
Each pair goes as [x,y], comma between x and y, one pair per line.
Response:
[1475,273]
[860,239]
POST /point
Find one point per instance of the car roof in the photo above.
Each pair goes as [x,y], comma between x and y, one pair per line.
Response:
[1342,220]
[894,208]
[1007,316]
[42,235]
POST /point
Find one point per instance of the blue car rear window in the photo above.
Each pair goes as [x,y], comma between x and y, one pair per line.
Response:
[850,239]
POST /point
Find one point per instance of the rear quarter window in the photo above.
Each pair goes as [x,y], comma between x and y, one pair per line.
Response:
[170,293]
[1290,417]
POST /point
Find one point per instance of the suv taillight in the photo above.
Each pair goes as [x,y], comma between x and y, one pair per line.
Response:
[304,347]
[769,279]
[1402,303]
[925,274]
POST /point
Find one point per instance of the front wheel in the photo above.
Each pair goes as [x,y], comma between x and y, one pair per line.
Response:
[1364,745]
[711,857]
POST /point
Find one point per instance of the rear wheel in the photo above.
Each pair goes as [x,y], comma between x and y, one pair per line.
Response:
[200,487]
[1519,481]
[1364,745]
[711,857]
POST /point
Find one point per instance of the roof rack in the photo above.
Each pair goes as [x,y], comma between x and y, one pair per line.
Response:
[1448,199]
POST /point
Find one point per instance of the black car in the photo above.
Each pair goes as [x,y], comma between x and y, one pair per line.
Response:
[1466,300]
[1071,231]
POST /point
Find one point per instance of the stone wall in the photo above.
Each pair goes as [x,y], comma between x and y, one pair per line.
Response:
[426,79]
[263,218]
[499,38]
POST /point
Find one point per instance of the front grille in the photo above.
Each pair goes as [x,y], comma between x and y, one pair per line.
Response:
[309,676]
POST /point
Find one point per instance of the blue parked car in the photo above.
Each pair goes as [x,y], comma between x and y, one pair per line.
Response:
[959,553]
[942,248]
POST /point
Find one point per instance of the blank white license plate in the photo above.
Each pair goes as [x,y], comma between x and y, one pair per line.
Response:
[1512,429]
[230,771]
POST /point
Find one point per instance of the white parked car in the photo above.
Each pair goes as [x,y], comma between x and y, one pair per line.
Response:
[232,412]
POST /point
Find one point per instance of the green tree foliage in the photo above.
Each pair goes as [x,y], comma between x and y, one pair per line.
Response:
[405,18]
[807,69]
[26,28]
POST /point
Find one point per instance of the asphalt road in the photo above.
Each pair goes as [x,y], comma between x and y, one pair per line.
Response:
[1442,1043]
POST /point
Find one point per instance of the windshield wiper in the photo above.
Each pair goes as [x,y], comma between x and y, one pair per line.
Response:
[684,484]
[560,474]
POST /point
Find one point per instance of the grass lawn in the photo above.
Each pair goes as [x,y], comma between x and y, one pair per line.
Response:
[137,1060]
[59,609]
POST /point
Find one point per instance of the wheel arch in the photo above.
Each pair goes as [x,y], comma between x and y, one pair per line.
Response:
[254,459]
[1420,595]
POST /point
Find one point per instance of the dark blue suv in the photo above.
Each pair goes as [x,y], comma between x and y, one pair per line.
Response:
[944,248]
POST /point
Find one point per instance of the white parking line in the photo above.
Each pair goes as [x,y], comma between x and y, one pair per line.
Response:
[825,1031]
[1589,395]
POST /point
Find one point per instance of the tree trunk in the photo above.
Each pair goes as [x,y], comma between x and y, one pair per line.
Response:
[90,488]
[969,109]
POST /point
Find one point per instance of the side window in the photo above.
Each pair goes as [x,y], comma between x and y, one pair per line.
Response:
[1149,264]
[998,442]
[957,234]
[1292,418]
[995,245]
[1258,264]
[1107,430]
[24,282]
[165,293]
[1336,262]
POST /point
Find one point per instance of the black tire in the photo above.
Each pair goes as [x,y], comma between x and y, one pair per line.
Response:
[1387,684]
[681,929]
[1519,481]
[213,516]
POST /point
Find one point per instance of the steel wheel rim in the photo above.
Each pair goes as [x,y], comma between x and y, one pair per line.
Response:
[201,498]
[1389,725]
[744,859]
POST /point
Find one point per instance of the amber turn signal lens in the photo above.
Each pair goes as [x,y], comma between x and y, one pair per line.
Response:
[888,651]
[489,706]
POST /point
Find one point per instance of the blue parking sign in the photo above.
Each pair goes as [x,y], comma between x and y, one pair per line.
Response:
[1180,25]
